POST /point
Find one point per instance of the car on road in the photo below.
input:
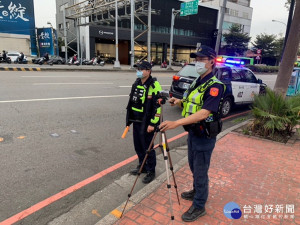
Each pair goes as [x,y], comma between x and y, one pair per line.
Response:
[56,60]
[14,55]
[294,85]
[241,84]
[178,63]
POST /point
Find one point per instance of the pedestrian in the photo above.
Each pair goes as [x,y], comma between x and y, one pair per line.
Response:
[144,112]
[21,57]
[201,105]
[4,55]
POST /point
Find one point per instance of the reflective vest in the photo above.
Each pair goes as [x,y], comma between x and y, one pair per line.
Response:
[143,102]
[193,98]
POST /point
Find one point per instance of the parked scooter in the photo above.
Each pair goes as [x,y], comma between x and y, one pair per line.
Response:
[7,60]
[98,61]
[73,62]
[87,62]
[18,61]
[4,58]
[42,61]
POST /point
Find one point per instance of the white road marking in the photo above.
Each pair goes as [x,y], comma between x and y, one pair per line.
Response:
[67,98]
[68,83]
[166,85]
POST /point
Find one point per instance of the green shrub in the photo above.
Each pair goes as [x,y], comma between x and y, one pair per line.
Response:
[274,116]
[263,69]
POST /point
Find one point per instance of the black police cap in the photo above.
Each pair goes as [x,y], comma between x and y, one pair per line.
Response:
[204,51]
[143,65]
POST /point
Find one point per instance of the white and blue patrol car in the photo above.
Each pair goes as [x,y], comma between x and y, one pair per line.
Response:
[241,84]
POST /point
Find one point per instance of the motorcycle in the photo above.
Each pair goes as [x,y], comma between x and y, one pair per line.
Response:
[7,60]
[72,62]
[96,61]
[87,62]
[24,61]
[42,61]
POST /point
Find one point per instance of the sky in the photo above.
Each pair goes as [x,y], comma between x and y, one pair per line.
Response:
[264,11]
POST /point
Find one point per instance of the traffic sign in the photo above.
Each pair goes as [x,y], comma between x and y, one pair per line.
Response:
[189,8]
[258,51]
[257,57]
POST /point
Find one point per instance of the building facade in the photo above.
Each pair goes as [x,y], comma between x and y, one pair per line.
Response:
[237,12]
[99,39]
[17,26]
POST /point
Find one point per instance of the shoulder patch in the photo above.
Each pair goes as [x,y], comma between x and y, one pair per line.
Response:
[214,92]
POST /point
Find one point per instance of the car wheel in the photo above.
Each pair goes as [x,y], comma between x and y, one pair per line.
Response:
[59,62]
[226,107]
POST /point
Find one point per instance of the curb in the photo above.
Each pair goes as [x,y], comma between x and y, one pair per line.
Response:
[114,215]
[19,69]
[85,69]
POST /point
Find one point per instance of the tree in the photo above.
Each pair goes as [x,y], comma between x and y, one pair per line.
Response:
[236,41]
[289,55]
[61,43]
[278,49]
[267,43]
[287,4]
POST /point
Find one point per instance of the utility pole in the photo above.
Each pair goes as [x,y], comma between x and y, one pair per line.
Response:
[65,35]
[174,13]
[149,32]
[289,55]
[218,42]
[132,9]
[117,63]
[78,39]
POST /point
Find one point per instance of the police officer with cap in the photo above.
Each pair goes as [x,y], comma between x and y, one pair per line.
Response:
[201,105]
[144,112]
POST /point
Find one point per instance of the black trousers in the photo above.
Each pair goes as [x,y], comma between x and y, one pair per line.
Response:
[142,140]
[199,154]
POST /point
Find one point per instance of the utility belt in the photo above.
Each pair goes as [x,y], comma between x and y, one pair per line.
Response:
[205,129]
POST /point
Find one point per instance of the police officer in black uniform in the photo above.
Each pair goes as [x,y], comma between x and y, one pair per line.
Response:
[144,112]
[201,108]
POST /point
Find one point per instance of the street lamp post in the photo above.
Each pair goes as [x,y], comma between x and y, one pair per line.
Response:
[285,38]
[117,62]
[174,13]
[279,22]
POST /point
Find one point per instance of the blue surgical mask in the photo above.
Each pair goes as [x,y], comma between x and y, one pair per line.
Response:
[139,74]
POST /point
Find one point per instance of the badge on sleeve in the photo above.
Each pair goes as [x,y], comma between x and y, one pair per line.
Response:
[214,92]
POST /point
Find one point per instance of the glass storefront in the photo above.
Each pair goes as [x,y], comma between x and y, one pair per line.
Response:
[180,54]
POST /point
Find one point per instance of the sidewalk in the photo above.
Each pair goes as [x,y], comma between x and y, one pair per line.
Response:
[248,171]
[96,68]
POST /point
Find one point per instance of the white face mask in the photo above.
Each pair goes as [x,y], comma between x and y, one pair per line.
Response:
[200,68]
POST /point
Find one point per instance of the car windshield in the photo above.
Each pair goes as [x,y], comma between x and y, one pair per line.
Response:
[188,71]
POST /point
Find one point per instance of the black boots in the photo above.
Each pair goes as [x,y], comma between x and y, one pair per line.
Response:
[136,170]
[149,177]
[188,195]
[193,214]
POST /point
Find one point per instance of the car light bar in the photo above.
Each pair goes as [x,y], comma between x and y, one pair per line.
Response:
[235,62]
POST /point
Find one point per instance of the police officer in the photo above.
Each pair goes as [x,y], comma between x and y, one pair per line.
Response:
[201,111]
[144,112]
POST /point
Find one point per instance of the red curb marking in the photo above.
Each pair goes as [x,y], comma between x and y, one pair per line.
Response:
[83,183]
[235,115]
[64,193]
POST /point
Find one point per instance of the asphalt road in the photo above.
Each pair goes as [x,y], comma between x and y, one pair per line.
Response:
[59,128]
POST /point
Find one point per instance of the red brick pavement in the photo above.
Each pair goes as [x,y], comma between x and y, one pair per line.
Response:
[244,170]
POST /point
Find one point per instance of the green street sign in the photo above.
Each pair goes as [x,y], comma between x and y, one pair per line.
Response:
[189,8]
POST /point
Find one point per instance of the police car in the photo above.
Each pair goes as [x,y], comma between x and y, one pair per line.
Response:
[241,84]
